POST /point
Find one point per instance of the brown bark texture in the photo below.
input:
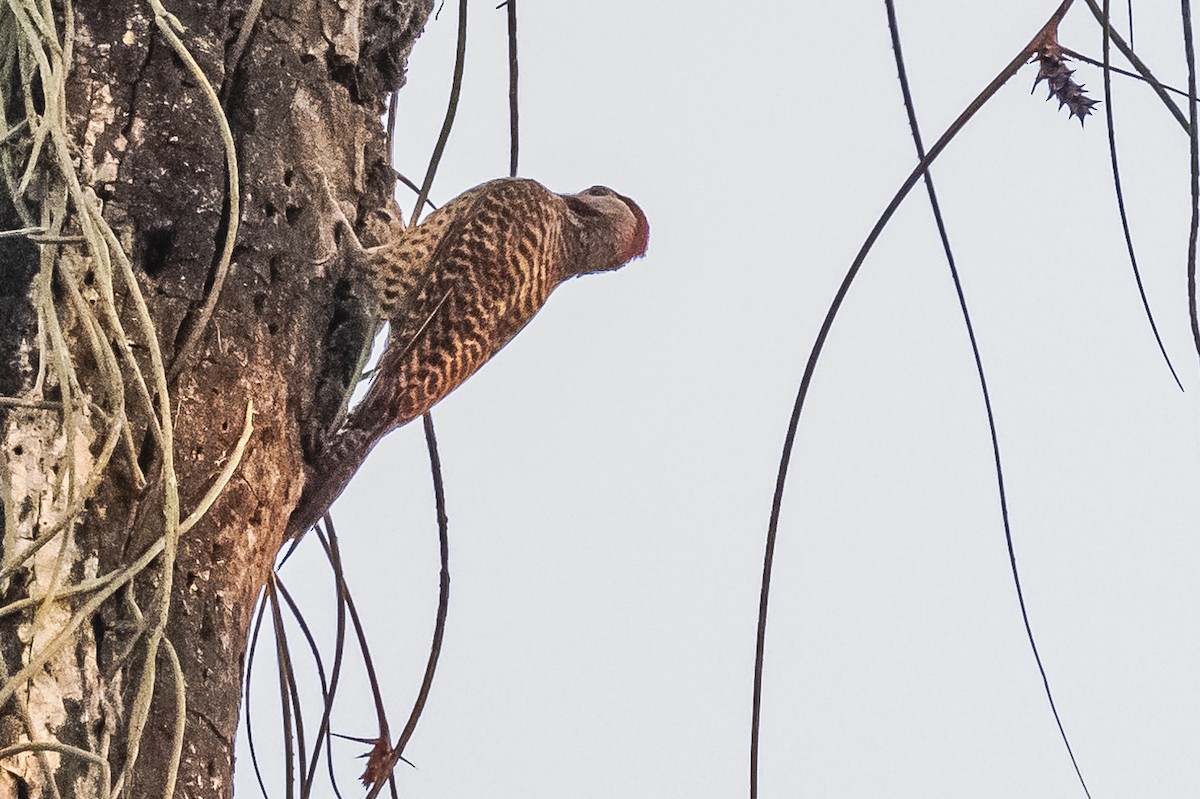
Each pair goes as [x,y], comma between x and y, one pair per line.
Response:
[90,659]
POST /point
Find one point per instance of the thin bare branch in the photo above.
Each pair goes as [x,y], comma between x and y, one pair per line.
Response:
[1002,493]
[815,354]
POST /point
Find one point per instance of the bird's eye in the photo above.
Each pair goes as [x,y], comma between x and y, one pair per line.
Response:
[582,207]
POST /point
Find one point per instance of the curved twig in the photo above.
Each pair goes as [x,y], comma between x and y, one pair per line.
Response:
[1116,170]
[259,614]
[302,623]
[815,354]
[1139,65]
[1002,493]
[170,28]
[460,56]
[1194,167]
[514,138]
[439,627]
[249,22]
[1087,59]
[289,697]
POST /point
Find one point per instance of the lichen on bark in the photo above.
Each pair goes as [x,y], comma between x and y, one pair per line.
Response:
[129,206]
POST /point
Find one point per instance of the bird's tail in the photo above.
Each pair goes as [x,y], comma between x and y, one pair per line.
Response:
[386,406]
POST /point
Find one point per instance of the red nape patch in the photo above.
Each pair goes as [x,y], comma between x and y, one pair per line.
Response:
[641,236]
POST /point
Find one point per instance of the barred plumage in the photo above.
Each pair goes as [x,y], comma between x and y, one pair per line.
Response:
[457,288]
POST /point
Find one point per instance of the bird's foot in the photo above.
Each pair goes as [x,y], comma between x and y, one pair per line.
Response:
[341,239]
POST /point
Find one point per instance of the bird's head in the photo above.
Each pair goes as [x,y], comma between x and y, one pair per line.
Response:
[611,230]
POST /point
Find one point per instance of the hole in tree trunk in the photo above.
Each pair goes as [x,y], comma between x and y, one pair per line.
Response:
[158,244]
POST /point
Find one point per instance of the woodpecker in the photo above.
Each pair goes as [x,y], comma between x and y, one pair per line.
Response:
[455,289]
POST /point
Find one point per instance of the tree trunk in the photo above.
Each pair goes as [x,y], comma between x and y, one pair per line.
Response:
[104,596]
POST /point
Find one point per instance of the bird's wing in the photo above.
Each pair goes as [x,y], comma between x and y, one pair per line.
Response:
[420,275]
[401,273]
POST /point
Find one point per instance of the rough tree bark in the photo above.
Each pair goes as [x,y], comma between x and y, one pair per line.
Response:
[303,97]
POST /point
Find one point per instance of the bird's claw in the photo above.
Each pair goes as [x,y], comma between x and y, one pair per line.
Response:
[336,244]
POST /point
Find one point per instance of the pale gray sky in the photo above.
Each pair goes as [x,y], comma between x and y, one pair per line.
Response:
[609,474]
